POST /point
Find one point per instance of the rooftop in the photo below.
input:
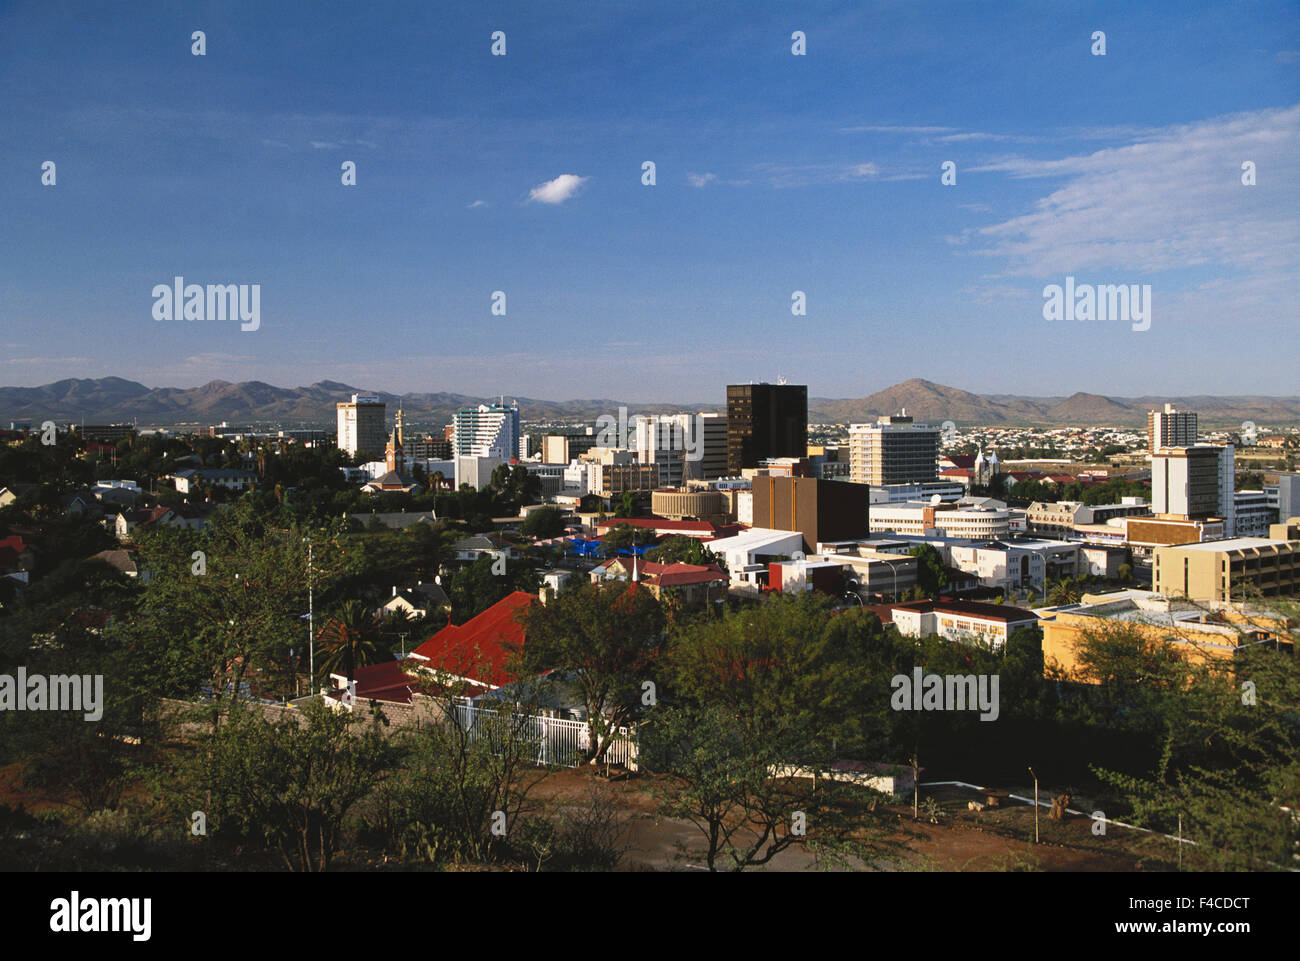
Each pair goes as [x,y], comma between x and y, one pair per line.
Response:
[1234,544]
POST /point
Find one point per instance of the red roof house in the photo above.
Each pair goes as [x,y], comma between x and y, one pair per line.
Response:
[480,650]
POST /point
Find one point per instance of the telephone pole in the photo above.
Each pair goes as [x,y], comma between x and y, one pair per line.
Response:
[311,633]
[1035,777]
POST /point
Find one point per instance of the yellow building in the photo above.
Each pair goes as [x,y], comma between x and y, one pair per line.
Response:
[1200,634]
[1228,570]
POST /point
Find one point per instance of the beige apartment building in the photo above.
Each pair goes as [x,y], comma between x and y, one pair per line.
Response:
[893,450]
[1228,570]
[361,425]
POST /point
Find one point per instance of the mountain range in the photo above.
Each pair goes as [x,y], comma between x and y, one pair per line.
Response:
[113,399]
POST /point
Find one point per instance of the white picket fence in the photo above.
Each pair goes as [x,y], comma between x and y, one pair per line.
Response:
[560,742]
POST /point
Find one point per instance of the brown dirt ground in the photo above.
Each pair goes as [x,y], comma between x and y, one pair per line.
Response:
[990,840]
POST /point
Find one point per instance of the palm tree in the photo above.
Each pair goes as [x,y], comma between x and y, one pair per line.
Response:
[349,640]
[1064,591]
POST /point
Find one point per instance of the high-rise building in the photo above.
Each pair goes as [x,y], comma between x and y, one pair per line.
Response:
[488,430]
[1170,428]
[1186,481]
[1285,497]
[361,424]
[763,421]
[563,448]
[893,450]
[713,434]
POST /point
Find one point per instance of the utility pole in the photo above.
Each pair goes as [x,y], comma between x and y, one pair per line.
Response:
[916,788]
[1035,776]
[311,634]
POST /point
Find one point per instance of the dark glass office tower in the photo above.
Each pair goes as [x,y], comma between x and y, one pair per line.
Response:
[765,420]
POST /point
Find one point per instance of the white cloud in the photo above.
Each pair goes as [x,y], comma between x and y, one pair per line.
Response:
[896,129]
[806,175]
[701,180]
[1172,200]
[477,203]
[557,191]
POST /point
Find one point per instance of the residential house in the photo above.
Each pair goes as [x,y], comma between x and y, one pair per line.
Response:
[961,620]
[190,479]
[469,549]
[419,601]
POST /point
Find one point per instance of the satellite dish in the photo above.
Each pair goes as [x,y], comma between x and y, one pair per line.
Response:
[935,500]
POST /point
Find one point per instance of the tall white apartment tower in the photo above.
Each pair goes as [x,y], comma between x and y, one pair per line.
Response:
[361,424]
[1195,482]
[1170,428]
[489,430]
[893,450]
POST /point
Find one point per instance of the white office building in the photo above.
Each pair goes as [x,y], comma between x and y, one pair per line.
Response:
[940,520]
[893,450]
[489,430]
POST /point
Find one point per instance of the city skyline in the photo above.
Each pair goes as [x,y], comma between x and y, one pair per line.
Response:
[775,174]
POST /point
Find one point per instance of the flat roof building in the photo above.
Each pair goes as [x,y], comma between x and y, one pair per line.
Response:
[893,450]
[361,424]
[1228,570]
[765,420]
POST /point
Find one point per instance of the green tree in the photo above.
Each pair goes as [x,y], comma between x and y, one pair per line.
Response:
[621,537]
[604,638]
[463,786]
[475,587]
[289,785]
[759,706]
[349,639]
[543,523]
[1225,745]
[679,549]
[931,573]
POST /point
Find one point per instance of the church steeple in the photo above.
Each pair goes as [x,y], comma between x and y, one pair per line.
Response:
[394,455]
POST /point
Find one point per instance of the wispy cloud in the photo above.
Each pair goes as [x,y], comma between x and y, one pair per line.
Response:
[810,174]
[477,203]
[1173,200]
[24,361]
[897,128]
[557,191]
[701,180]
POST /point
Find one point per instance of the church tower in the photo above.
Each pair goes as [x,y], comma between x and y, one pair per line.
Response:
[394,454]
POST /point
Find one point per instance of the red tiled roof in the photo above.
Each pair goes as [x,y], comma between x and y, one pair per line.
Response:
[382,682]
[480,649]
[680,574]
[962,460]
[957,472]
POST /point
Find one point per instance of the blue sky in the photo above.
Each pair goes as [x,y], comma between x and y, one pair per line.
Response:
[775,173]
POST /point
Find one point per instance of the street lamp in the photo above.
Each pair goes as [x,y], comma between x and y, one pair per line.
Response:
[893,573]
[1035,777]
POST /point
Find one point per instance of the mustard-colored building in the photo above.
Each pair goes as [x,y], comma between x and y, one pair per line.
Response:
[1200,634]
[1228,570]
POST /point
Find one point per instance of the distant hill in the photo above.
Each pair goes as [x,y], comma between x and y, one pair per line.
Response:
[928,401]
[108,399]
[112,399]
